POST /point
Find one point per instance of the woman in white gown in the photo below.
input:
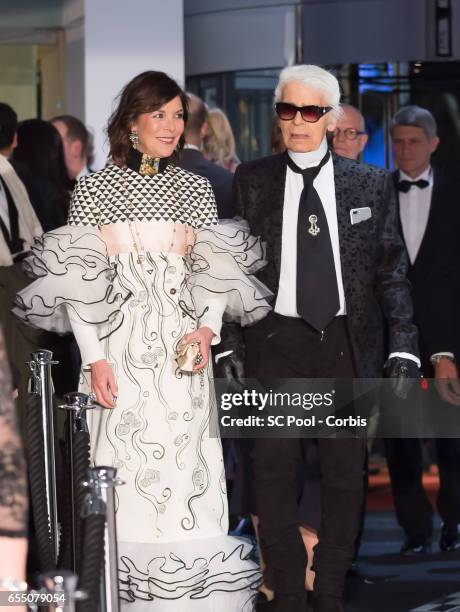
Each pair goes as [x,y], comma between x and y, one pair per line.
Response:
[134,273]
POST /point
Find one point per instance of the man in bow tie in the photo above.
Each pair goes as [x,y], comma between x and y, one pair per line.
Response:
[429,213]
[334,292]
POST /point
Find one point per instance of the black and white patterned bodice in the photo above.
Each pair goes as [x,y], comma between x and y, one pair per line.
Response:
[121,194]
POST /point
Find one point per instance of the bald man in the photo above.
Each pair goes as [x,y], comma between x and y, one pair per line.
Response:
[349,137]
[192,158]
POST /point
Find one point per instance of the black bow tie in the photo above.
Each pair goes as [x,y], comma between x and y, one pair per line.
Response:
[404,186]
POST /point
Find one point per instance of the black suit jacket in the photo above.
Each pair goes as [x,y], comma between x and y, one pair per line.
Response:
[50,203]
[373,257]
[435,273]
[220,179]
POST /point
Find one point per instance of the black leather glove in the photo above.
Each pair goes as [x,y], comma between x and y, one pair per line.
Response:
[231,366]
[404,373]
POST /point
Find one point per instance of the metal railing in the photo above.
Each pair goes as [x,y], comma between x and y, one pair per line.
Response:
[76,540]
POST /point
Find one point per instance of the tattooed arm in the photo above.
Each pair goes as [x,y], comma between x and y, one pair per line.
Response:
[13,483]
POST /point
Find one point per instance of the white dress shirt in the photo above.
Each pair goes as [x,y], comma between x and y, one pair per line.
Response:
[286,301]
[4,212]
[192,146]
[414,209]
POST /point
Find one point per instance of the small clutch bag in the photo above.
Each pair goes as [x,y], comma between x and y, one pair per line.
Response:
[188,356]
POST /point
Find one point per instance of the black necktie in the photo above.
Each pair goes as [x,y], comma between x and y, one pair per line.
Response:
[404,186]
[317,291]
[12,237]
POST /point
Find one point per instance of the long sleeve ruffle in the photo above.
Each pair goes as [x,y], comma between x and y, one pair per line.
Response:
[74,280]
[224,260]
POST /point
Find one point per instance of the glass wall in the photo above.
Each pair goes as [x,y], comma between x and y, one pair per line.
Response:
[436,86]
[379,90]
[247,98]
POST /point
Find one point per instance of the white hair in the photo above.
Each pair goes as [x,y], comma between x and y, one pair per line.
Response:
[315,77]
[416,116]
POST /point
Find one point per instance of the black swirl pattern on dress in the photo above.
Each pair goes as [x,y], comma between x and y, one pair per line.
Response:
[172,578]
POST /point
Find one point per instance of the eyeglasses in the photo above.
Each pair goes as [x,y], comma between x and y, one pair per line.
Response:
[348,133]
[310,114]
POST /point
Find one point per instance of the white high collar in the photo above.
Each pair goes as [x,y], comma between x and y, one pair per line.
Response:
[310,158]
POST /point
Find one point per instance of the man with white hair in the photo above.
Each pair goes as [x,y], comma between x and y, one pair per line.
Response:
[349,137]
[337,267]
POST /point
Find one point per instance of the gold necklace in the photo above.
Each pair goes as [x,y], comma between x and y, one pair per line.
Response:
[149,165]
[138,247]
[137,242]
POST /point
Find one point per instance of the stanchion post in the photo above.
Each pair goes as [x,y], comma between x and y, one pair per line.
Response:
[103,480]
[77,403]
[61,586]
[42,384]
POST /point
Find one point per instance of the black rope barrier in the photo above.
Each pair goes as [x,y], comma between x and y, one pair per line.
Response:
[81,449]
[85,517]
[92,562]
[72,501]
[65,560]
[77,459]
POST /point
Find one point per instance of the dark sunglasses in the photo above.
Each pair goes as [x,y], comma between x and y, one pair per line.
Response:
[310,114]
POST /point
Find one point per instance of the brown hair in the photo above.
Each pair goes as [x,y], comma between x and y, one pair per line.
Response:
[197,115]
[76,130]
[145,93]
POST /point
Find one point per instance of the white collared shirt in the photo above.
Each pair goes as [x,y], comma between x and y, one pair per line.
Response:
[4,212]
[286,302]
[192,146]
[414,209]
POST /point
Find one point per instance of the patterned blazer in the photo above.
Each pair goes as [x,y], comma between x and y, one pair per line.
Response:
[373,256]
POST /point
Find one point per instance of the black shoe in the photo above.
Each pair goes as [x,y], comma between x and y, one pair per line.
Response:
[450,539]
[415,546]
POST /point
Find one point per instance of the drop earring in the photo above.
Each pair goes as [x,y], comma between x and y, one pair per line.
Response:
[134,138]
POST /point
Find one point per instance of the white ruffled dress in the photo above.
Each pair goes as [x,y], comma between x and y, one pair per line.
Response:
[140,264]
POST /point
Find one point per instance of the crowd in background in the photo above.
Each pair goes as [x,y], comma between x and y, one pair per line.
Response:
[40,163]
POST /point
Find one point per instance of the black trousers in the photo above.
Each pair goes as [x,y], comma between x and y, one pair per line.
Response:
[285,347]
[413,509]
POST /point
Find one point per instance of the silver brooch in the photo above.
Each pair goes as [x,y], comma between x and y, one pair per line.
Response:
[313,229]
